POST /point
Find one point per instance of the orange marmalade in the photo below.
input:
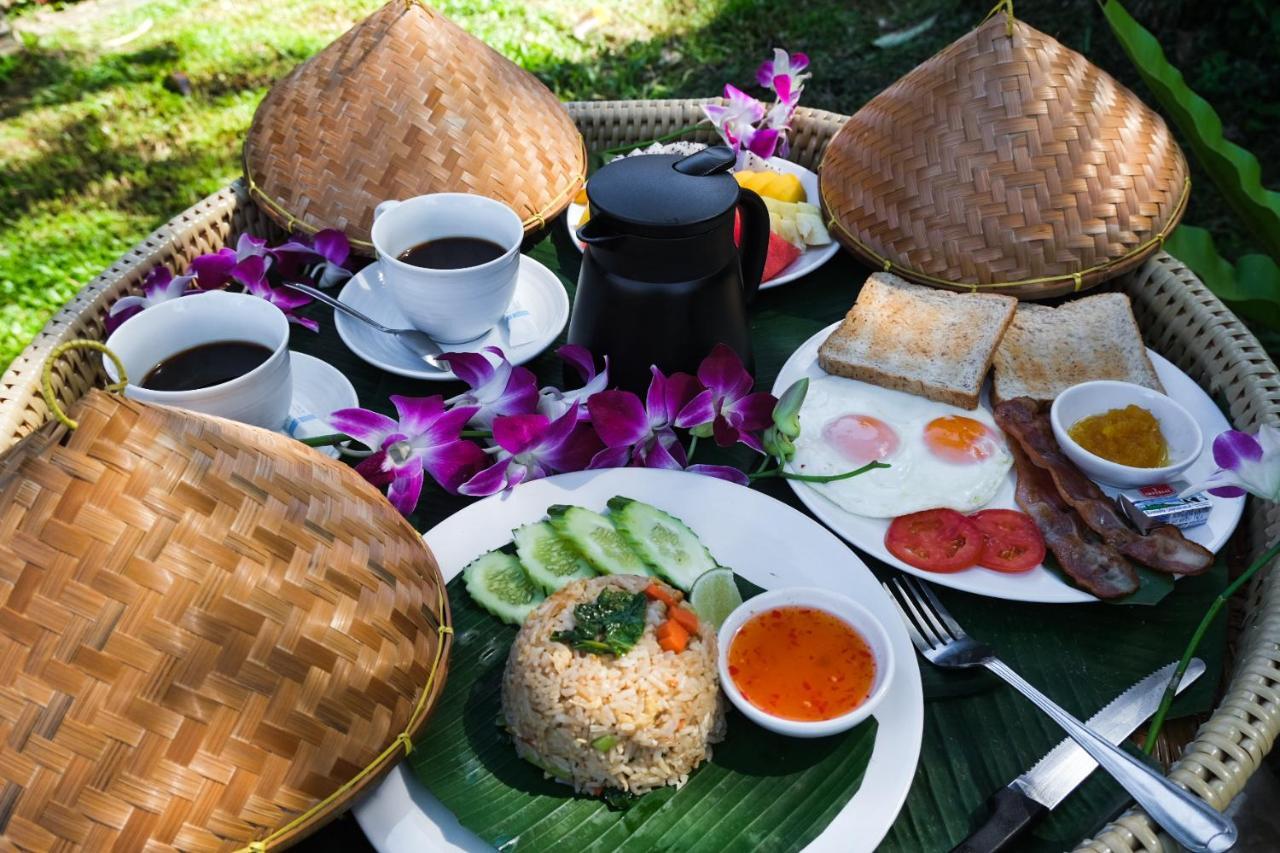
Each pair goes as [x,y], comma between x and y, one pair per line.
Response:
[801,663]
[1129,436]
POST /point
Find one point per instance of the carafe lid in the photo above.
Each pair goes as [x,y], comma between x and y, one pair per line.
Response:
[665,195]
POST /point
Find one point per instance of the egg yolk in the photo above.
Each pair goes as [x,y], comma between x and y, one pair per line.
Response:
[960,440]
[861,438]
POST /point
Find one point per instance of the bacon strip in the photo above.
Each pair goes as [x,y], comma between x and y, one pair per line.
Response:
[1164,548]
[1091,563]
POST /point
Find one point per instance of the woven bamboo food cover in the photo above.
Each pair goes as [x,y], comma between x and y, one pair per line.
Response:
[1006,161]
[1178,316]
[407,103]
[205,630]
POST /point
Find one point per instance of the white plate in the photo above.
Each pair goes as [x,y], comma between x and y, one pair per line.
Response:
[538,312]
[783,548]
[1039,584]
[319,389]
[809,260]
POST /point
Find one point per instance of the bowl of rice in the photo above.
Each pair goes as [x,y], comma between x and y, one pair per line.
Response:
[600,722]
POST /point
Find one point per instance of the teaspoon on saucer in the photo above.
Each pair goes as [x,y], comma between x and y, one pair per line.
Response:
[419,343]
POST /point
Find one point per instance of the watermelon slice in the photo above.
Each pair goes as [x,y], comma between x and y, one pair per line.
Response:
[781,255]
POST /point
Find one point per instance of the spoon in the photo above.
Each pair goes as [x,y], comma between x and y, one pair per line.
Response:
[419,343]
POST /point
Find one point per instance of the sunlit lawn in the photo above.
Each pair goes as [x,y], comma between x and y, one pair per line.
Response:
[95,151]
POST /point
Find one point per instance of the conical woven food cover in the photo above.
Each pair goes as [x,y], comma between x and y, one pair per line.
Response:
[1006,161]
[407,103]
[206,630]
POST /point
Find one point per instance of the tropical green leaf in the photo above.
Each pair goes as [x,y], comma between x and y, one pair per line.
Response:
[1251,287]
[760,791]
[1235,171]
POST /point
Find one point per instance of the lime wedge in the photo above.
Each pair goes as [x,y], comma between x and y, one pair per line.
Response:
[714,596]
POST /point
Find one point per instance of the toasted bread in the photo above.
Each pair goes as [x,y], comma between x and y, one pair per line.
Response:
[1047,350]
[908,337]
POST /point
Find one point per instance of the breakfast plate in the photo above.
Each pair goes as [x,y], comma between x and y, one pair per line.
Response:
[810,259]
[1039,584]
[784,548]
[538,313]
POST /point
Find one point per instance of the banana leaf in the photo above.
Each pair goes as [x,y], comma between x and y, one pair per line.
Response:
[760,791]
[1251,286]
[1235,171]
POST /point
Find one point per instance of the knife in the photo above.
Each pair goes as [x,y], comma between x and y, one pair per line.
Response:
[1025,800]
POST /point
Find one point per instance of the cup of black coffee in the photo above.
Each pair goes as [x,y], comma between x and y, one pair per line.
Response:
[449,261]
[219,353]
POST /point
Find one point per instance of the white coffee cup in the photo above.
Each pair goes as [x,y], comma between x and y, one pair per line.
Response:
[450,305]
[260,397]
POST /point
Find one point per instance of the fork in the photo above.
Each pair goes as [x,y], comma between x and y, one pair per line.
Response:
[1192,822]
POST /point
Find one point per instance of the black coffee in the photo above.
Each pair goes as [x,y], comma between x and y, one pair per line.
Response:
[452,253]
[205,365]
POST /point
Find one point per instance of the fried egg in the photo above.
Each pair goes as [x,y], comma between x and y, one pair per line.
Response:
[939,455]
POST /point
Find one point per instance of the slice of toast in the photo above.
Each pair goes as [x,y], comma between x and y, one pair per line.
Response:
[908,337]
[1047,350]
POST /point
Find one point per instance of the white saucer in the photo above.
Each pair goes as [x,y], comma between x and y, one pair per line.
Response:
[319,388]
[538,312]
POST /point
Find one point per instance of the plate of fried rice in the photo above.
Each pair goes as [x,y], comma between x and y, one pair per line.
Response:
[663,713]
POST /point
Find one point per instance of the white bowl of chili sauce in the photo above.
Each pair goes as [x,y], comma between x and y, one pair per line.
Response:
[804,662]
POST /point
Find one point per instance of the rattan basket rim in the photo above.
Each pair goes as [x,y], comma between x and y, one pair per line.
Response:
[1229,747]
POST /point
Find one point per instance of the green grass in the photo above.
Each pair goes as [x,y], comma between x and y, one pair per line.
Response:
[95,152]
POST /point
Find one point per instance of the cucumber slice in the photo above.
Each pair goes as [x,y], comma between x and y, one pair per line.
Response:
[663,541]
[498,583]
[550,560]
[597,539]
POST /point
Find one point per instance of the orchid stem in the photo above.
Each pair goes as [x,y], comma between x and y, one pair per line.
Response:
[816,478]
[476,433]
[325,440]
[693,445]
[1170,691]
[675,134]
[764,464]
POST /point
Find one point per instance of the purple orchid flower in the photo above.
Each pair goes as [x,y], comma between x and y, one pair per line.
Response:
[424,439]
[531,446]
[1246,463]
[641,434]
[782,75]
[159,285]
[554,402]
[247,263]
[288,301]
[727,407]
[326,254]
[736,119]
[497,389]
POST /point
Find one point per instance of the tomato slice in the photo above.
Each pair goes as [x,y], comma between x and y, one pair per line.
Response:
[1013,542]
[936,540]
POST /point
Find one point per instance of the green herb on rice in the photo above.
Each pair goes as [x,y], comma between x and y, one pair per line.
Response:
[610,625]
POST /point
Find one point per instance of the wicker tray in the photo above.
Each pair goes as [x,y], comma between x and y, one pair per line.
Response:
[1180,318]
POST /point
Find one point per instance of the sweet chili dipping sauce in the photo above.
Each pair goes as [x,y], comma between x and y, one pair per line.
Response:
[801,663]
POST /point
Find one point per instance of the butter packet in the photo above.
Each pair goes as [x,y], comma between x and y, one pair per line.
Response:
[1148,507]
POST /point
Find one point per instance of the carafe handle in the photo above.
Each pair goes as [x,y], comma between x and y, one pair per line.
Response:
[754,243]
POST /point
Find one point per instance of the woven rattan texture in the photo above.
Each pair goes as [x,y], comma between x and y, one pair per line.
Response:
[1004,160]
[406,103]
[1179,317]
[207,628]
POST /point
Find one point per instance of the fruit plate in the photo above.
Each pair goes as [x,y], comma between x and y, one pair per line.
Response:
[1040,584]
[810,259]
[783,547]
